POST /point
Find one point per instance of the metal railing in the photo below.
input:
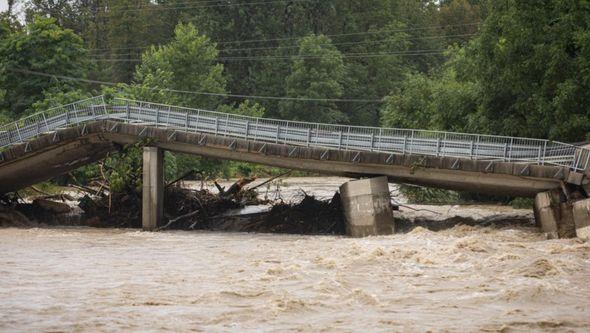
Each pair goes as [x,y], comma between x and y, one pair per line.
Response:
[355,138]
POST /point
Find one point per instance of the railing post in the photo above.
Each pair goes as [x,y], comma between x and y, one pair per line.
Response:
[308,136]
[510,150]
[216,125]
[539,156]
[128,112]
[347,137]
[226,123]
[256,131]
[339,140]
[157,116]
[372,139]
[20,138]
[477,147]
[198,120]
[67,116]
[437,147]
[168,116]
[544,152]
[247,129]
[505,151]
[186,121]
[45,120]
[412,143]
[104,105]
[277,135]
[317,133]
[405,146]
[92,111]
[471,146]
[139,114]
[38,126]
[380,138]
[286,133]
[574,163]
[76,113]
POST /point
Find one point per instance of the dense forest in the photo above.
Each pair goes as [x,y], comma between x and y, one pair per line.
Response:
[489,66]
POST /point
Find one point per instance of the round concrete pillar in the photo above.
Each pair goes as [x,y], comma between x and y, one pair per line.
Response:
[367,208]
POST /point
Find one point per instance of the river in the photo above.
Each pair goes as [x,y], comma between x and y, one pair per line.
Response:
[466,279]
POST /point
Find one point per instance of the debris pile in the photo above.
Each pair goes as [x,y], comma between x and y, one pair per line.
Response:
[310,216]
[189,209]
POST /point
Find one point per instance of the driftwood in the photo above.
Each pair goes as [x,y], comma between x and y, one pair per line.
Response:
[185,175]
[40,191]
[270,180]
[201,205]
[83,189]
[235,188]
[180,218]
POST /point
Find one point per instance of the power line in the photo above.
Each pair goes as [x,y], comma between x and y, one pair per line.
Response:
[302,99]
[295,57]
[346,43]
[355,33]
[176,4]
[348,55]
[327,35]
[166,8]
[321,44]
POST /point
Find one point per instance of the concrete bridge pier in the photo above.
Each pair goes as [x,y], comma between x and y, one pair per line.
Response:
[582,218]
[554,214]
[367,208]
[153,188]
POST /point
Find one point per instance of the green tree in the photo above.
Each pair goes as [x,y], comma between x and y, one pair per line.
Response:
[532,63]
[57,96]
[375,76]
[444,100]
[187,63]
[8,25]
[245,108]
[317,72]
[460,19]
[127,27]
[42,47]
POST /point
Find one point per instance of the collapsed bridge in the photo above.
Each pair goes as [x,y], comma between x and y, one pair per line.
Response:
[54,142]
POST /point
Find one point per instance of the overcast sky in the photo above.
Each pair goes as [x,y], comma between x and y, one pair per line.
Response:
[3,5]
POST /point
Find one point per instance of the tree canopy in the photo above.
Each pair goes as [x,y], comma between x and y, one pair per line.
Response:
[500,67]
[317,72]
[43,47]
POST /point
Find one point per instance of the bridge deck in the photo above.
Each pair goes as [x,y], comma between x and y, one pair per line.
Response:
[450,160]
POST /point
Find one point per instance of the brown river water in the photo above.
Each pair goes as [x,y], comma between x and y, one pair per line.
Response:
[462,279]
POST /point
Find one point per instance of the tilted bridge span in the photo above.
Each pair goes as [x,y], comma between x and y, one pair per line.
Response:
[50,143]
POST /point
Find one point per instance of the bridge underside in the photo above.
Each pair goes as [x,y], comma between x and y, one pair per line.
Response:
[59,152]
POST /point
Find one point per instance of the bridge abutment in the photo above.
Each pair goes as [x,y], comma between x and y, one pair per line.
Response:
[367,208]
[153,188]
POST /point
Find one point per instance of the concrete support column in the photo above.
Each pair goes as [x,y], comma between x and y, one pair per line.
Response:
[582,218]
[153,188]
[554,215]
[367,208]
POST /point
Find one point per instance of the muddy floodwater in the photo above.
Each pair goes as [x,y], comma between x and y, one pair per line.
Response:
[462,279]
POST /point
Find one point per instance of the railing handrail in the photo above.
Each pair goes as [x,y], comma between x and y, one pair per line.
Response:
[421,141]
[351,126]
[40,113]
